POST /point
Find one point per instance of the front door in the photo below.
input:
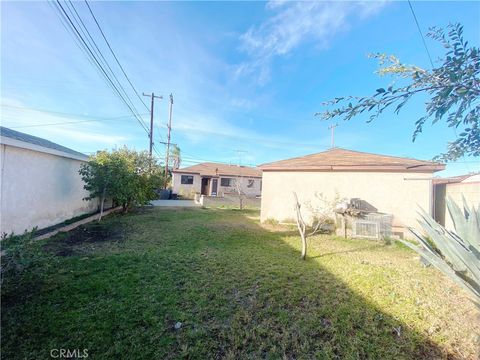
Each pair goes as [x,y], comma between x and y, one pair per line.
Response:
[205,185]
[214,187]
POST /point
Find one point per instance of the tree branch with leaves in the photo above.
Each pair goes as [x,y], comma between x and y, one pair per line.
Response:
[452,88]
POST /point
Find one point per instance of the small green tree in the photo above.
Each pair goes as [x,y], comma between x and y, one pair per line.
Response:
[99,174]
[452,88]
[126,176]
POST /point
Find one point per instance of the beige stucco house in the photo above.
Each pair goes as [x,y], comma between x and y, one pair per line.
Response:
[393,185]
[214,179]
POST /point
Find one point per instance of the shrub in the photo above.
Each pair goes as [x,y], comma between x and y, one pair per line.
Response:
[19,255]
[126,176]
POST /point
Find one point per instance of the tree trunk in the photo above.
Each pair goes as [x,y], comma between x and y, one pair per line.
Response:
[302,227]
[304,245]
[102,202]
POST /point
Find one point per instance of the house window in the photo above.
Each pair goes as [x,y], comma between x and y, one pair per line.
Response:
[250,183]
[227,182]
[186,179]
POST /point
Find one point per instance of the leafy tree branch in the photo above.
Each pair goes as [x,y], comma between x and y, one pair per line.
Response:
[453,91]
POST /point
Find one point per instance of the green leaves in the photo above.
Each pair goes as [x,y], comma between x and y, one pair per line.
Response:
[456,254]
[452,88]
[127,176]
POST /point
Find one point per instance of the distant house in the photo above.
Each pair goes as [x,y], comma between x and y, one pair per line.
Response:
[393,185]
[214,179]
[40,184]
[457,188]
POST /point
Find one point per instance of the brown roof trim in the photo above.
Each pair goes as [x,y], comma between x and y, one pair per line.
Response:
[214,176]
[236,175]
[423,169]
[185,172]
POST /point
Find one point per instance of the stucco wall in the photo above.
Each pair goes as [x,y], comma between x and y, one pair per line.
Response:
[243,181]
[230,201]
[469,190]
[185,190]
[389,192]
[190,190]
[39,189]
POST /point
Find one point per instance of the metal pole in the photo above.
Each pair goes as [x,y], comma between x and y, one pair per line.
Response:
[167,154]
[332,128]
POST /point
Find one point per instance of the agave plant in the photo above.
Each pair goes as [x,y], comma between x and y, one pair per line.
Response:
[455,253]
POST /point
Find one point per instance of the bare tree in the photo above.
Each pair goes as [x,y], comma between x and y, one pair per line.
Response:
[320,219]
[238,189]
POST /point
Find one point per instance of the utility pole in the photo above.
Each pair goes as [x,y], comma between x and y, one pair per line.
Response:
[167,154]
[332,128]
[152,96]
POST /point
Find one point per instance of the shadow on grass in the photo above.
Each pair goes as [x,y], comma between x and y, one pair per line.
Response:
[358,249]
[178,287]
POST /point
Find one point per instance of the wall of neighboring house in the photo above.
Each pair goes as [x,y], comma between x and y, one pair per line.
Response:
[186,190]
[254,190]
[229,201]
[39,189]
[399,194]
[439,194]
[469,189]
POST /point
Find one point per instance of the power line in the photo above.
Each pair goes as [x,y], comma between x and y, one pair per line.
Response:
[196,159]
[115,56]
[420,31]
[97,64]
[25,108]
[266,142]
[83,28]
[70,122]
[99,52]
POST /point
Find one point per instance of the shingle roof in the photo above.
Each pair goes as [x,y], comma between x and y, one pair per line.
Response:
[216,169]
[17,135]
[452,179]
[342,159]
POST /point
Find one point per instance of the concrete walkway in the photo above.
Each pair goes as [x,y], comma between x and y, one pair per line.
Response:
[174,203]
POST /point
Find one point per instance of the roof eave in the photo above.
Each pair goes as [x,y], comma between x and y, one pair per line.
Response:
[382,168]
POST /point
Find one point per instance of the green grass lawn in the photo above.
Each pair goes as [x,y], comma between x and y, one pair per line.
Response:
[239,290]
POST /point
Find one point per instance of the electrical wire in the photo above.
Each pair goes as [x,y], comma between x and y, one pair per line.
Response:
[94,118]
[83,28]
[421,34]
[95,47]
[69,122]
[90,53]
[115,56]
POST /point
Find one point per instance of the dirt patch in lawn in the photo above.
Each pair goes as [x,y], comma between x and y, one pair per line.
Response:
[85,237]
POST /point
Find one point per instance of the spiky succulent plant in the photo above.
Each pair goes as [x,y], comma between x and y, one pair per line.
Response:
[455,253]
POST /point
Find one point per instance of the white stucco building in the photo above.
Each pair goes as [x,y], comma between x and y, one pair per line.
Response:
[40,184]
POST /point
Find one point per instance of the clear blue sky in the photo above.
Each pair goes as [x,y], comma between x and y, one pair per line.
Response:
[245,75]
